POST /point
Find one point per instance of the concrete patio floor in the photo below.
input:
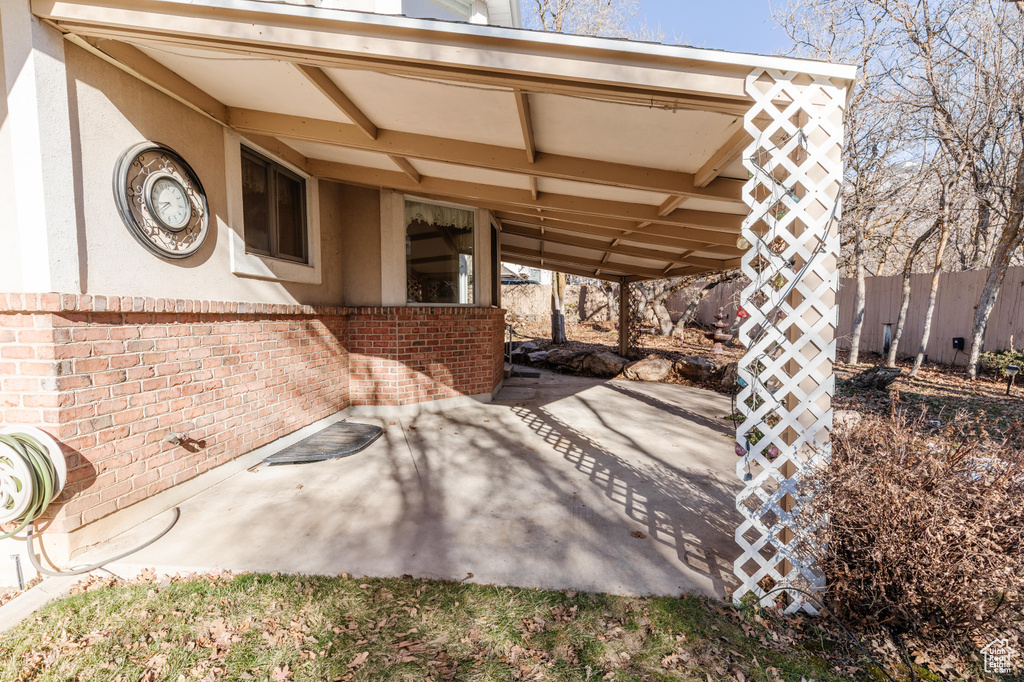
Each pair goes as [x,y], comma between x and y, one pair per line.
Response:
[541,488]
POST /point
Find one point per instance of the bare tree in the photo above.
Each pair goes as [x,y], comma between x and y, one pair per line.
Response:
[558,308]
[582,17]
[879,178]
[966,67]
[945,79]
[944,225]
[908,270]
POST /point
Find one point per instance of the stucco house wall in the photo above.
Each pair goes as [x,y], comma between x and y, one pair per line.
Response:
[111,111]
[142,347]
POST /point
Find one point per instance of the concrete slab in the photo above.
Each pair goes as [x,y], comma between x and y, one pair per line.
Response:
[539,491]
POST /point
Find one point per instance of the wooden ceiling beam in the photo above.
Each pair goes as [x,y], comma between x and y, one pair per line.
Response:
[407,168]
[669,205]
[338,98]
[526,122]
[552,237]
[713,228]
[479,155]
[592,263]
[721,159]
[567,269]
[657,238]
[329,89]
[137,63]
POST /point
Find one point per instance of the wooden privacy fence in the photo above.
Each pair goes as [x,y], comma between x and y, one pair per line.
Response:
[954,312]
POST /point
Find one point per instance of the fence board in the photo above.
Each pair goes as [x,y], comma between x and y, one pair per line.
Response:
[954,312]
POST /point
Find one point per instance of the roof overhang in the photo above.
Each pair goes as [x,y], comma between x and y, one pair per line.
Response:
[602,157]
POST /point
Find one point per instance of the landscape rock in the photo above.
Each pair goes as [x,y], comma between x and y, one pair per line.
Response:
[603,364]
[730,380]
[878,378]
[651,369]
[538,357]
[560,356]
[697,369]
[522,352]
[848,418]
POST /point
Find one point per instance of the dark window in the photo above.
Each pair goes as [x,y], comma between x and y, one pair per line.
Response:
[274,204]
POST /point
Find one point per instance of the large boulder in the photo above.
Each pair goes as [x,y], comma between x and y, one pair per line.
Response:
[650,369]
[730,380]
[538,357]
[697,369]
[559,356]
[603,364]
[521,353]
[875,378]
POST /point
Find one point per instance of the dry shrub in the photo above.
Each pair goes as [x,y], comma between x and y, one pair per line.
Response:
[926,528]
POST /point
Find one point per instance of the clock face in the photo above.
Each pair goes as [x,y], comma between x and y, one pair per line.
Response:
[168,202]
[161,201]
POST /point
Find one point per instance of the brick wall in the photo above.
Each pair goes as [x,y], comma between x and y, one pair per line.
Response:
[110,377]
[401,356]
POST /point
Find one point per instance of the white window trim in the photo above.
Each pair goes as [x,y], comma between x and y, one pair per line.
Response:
[254,265]
[480,217]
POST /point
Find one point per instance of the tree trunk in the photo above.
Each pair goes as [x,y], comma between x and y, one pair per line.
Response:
[858,300]
[664,319]
[908,268]
[691,309]
[558,308]
[933,292]
[1009,241]
[981,237]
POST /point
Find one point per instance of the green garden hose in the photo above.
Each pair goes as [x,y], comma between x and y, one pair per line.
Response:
[28,480]
[32,475]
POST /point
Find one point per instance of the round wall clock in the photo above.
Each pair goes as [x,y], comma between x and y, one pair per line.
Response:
[161,200]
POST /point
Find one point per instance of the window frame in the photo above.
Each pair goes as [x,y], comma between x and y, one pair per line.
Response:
[256,265]
[476,289]
[274,170]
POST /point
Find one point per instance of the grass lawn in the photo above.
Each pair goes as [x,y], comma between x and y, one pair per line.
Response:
[261,627]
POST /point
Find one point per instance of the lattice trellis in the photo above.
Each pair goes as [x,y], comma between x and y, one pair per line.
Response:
[785,406]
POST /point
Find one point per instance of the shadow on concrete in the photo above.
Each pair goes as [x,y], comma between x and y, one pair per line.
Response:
[549,492]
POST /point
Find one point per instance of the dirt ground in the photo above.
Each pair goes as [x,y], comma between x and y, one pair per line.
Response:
[588,335]
[942,391]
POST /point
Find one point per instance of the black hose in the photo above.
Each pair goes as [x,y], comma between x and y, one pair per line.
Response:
[101,564]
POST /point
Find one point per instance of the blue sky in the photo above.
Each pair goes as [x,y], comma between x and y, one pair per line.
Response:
[735,25]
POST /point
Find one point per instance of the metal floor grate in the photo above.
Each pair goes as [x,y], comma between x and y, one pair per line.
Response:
[337,440]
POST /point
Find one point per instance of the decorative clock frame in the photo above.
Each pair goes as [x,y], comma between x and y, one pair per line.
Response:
[136,172]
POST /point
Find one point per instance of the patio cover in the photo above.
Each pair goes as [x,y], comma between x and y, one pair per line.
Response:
[605,158]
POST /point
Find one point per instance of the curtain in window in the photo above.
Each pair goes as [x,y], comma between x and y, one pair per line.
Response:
[431,214]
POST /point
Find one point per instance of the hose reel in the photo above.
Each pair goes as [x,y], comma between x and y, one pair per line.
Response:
[32,475]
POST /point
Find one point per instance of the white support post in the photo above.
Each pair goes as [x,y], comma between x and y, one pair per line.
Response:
[40,215]
[785,404]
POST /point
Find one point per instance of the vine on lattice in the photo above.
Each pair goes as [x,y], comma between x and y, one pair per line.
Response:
[784,404]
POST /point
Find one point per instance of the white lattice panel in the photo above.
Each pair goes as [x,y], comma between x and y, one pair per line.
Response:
[795,170]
